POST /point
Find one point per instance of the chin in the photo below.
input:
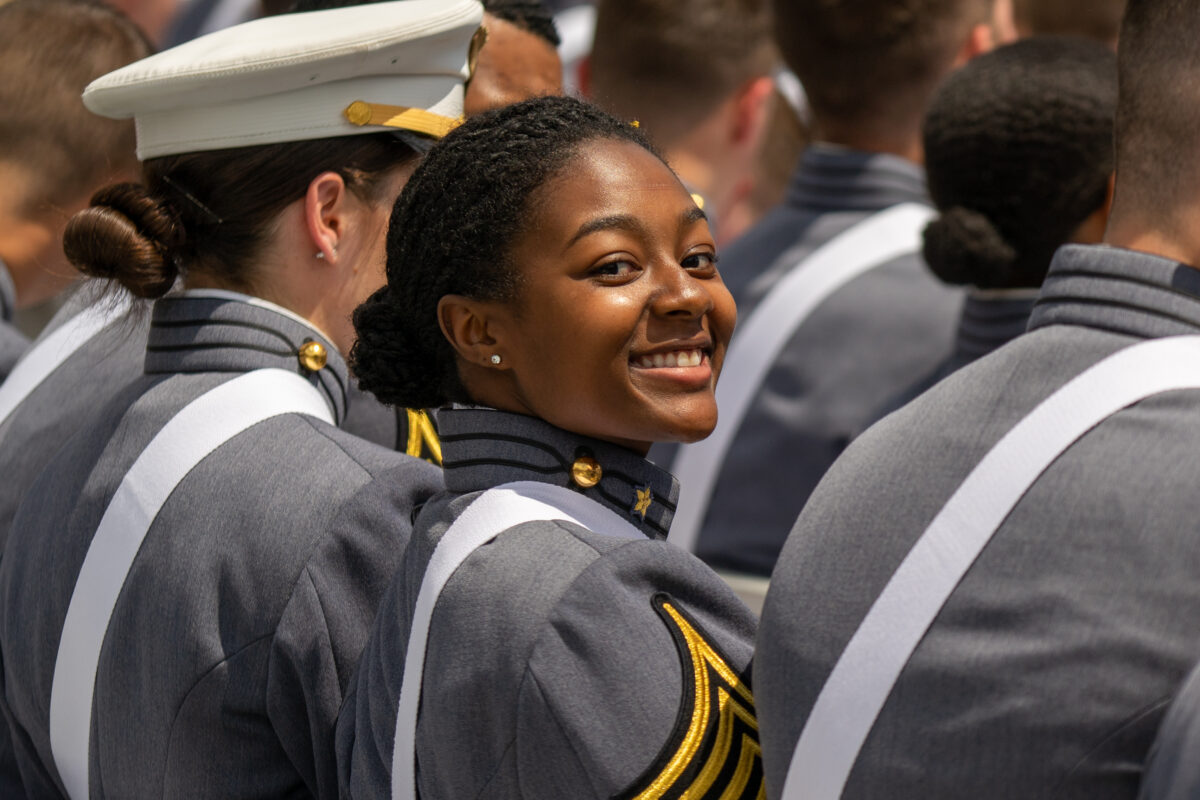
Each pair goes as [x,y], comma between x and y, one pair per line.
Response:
[689,430]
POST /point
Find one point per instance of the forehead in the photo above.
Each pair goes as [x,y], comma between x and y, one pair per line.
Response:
[606,177]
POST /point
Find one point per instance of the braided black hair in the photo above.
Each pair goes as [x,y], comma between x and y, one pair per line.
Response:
[1018,152]
[451,232]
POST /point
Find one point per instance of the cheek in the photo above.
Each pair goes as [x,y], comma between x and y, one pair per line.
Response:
[577,346]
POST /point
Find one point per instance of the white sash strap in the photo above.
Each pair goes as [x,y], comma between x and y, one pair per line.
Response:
[197,430]
[492,513]
[862,679]
[47,354]
[876,240]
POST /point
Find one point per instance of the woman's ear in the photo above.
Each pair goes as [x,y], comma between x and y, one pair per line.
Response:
[324,214]
[471,328]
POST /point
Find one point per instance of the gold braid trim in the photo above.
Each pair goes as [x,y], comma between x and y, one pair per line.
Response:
[417,120]
[422,436]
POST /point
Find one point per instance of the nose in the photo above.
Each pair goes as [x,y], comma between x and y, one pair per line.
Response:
[678,293]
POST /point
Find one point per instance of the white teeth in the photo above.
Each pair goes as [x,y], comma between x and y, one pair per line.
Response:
[680,358]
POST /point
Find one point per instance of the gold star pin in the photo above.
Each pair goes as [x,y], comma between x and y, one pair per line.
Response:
[644,498]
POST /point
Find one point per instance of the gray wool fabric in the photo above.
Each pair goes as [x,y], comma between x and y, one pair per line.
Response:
[12,342]
[93,376]
[54,410]
[1049,668]
[989,320]
[235,635]
[550,671]
[866,343]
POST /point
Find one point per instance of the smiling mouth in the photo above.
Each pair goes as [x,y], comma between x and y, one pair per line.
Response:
[676,359]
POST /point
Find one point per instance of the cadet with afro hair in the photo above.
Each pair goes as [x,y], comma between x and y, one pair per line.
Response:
[1019,158]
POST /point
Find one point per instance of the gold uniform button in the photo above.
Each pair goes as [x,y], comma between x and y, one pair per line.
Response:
[313,356]
[586,472]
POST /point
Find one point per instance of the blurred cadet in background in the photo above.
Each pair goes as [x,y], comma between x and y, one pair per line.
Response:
[1097,19]
[838,311]
[517,59]
[1019,157]
[189,581]
[53,152]
[695,75]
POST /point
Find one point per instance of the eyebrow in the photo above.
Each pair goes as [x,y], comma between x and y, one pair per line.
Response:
[630,223]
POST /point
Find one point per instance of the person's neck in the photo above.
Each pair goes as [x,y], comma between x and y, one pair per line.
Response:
[1159,237]
[903,141]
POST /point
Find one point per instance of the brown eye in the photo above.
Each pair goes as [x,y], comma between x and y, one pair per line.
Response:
[700,261]
[615,269]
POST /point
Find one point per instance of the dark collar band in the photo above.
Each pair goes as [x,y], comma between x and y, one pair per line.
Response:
[482,448]
[1123,291]
[190,334]
[832,178]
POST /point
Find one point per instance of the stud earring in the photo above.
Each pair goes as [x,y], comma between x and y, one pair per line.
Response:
[495,358]
[320,254]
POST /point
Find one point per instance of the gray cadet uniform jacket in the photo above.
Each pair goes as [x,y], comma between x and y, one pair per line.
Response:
[867,342]
[12,341]
[989,321]
[237,630]
[1048,669]
[555,667]
[94,374]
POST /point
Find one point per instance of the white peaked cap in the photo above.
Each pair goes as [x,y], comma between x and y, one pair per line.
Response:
[292,77]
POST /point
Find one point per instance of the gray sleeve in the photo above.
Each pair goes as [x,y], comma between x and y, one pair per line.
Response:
[12,345]
[322,631]
[639,672]
[1173,766]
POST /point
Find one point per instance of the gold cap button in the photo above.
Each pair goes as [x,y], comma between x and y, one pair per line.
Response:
[586,472]
[313,356]
[358,113]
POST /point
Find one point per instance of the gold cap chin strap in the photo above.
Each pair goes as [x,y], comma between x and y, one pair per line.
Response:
[417,120]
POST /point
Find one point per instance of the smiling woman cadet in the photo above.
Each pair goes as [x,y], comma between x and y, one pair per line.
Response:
[189,583]
[550,277]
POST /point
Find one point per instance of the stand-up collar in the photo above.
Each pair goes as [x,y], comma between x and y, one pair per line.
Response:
[832,178]
[990,321]
[482,448]
[8,294]
[225,332]
[1122,291]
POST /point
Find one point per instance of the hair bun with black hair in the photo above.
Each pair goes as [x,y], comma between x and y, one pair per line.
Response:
[390,357]
[127,235]
[961,245]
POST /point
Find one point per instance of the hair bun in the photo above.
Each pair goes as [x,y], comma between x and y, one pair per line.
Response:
[392,359]
[127,235]
[963,247]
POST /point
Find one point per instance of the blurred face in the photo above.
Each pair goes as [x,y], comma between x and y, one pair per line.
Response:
[363,251]
[622,319]
[513,65]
